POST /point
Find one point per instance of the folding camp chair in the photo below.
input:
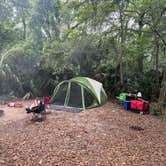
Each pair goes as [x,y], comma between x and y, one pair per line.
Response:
[39,116]
[37,113]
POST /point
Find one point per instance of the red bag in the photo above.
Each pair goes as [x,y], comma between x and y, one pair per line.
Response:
[15,104]
[139,105]
[11,104]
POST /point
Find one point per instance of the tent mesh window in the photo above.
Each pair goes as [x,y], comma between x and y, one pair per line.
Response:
[59,98]
[75,99]
[89,99]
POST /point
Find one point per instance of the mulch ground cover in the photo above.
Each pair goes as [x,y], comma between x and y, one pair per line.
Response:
[103,136]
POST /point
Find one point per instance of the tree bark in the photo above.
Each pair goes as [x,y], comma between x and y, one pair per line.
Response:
[24,28]
[156,50]
[121,46]
[162,97]
[140,46]
[156,56]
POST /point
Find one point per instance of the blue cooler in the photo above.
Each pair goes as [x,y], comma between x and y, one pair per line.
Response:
[126,105]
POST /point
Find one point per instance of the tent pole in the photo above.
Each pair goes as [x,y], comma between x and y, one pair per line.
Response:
[67,95]
[55,91]
[83,99]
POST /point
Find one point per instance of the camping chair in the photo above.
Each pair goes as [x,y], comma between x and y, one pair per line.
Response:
[38,113]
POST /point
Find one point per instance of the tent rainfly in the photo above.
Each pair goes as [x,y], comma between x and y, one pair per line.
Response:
[79,92]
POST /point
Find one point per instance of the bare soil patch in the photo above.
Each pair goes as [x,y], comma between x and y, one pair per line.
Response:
[12,114]
[100,136]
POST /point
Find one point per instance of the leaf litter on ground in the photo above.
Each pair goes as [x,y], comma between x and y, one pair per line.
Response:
[93,137]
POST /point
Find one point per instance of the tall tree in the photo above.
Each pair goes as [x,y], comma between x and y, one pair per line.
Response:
[46,19]
[22,11]
[162,97]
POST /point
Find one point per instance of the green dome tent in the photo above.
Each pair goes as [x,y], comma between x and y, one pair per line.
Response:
[80,93]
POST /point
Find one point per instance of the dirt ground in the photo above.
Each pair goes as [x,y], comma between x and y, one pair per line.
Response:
[98,137]
[12,114]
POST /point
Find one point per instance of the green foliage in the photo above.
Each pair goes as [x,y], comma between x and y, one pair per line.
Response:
[120,43]
[7,36]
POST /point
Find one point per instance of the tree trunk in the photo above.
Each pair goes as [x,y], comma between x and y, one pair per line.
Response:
[140,47]
[156,50]
[121,47]
[162,97]
[121,63]
[24,28]
[156,56]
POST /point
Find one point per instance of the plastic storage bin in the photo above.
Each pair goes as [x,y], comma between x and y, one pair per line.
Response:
[126,105]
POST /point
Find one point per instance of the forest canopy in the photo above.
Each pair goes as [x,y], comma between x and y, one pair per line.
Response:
[121,43]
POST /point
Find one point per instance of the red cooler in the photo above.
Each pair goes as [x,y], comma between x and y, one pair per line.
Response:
[139,105]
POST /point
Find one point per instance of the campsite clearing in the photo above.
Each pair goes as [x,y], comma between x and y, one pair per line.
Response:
[100,136]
